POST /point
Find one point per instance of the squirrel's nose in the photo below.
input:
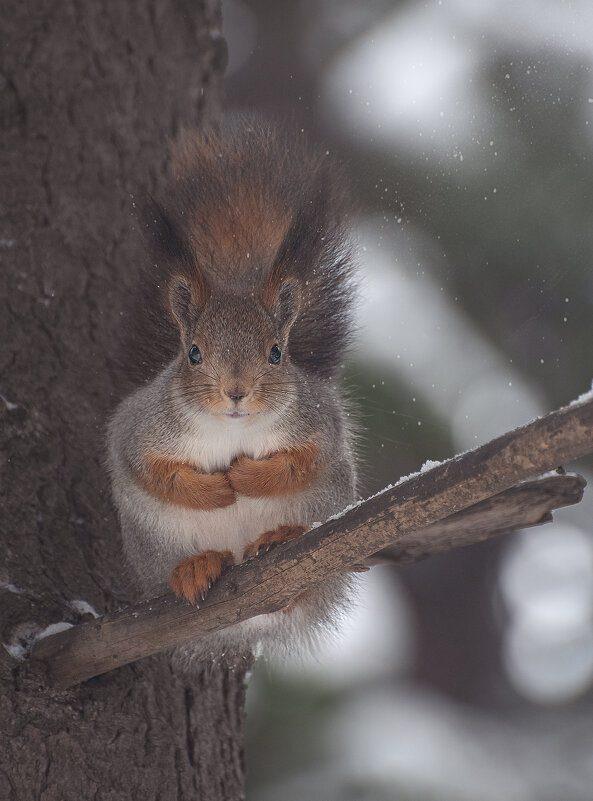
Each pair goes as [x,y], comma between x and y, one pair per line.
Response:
[237,394]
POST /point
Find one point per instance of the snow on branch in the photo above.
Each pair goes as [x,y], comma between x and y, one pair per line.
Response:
[401,519]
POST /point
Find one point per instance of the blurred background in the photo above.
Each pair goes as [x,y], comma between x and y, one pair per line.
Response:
[467,130]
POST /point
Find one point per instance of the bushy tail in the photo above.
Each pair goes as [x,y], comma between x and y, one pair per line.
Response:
[245,202]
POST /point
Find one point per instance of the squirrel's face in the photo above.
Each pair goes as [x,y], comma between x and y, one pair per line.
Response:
[234,363]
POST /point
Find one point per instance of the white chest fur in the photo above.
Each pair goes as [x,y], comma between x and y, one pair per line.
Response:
[214,444]
[183,532]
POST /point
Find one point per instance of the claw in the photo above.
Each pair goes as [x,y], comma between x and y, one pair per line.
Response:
[209,583]
[203,595]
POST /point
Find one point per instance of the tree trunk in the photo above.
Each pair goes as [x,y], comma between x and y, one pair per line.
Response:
[90,94]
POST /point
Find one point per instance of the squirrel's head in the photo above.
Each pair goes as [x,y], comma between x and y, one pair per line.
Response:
[234,359]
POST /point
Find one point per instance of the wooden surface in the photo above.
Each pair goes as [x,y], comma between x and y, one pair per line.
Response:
[392,518]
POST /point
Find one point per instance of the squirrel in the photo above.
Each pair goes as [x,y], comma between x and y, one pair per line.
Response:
[238,438]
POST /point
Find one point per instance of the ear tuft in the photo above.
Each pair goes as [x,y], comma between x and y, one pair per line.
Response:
[185,299]
[180,300]
[288,303]
[282,296]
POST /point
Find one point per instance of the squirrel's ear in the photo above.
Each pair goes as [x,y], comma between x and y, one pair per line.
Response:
[185,299]
[180,300]
[282,296]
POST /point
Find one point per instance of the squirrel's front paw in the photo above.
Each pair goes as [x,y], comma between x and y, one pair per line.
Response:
[182,484]
[268,539]
[193,577]
[207,491]
[248,476]
[219,492]
[280,473]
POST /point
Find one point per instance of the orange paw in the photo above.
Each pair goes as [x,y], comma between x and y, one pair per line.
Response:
[270,538]
[193,577]
[253,477]
[218,491]
[172,481]
[280,473]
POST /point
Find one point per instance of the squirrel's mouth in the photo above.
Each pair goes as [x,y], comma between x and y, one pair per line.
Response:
[235,414]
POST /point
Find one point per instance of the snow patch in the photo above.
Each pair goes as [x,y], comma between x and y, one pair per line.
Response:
[17,650]
[428,465]
[83,608]
[9,405]
[53,628]
[5,585]
[584,398]
[21,641]
[26,635]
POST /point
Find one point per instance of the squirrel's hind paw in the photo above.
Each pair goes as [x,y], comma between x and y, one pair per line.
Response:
[270,538]
[193,577]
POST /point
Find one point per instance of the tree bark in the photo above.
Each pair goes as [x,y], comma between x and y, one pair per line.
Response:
[90,94]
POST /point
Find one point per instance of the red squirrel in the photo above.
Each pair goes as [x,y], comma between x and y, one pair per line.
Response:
[239,438]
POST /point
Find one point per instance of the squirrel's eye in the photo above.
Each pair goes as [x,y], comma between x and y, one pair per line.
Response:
[195,356]
[275,354]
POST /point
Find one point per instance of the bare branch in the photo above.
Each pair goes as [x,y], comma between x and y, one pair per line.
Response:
[529,504]
[270,582]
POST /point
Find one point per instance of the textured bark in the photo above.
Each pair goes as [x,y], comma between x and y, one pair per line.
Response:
[90,93]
